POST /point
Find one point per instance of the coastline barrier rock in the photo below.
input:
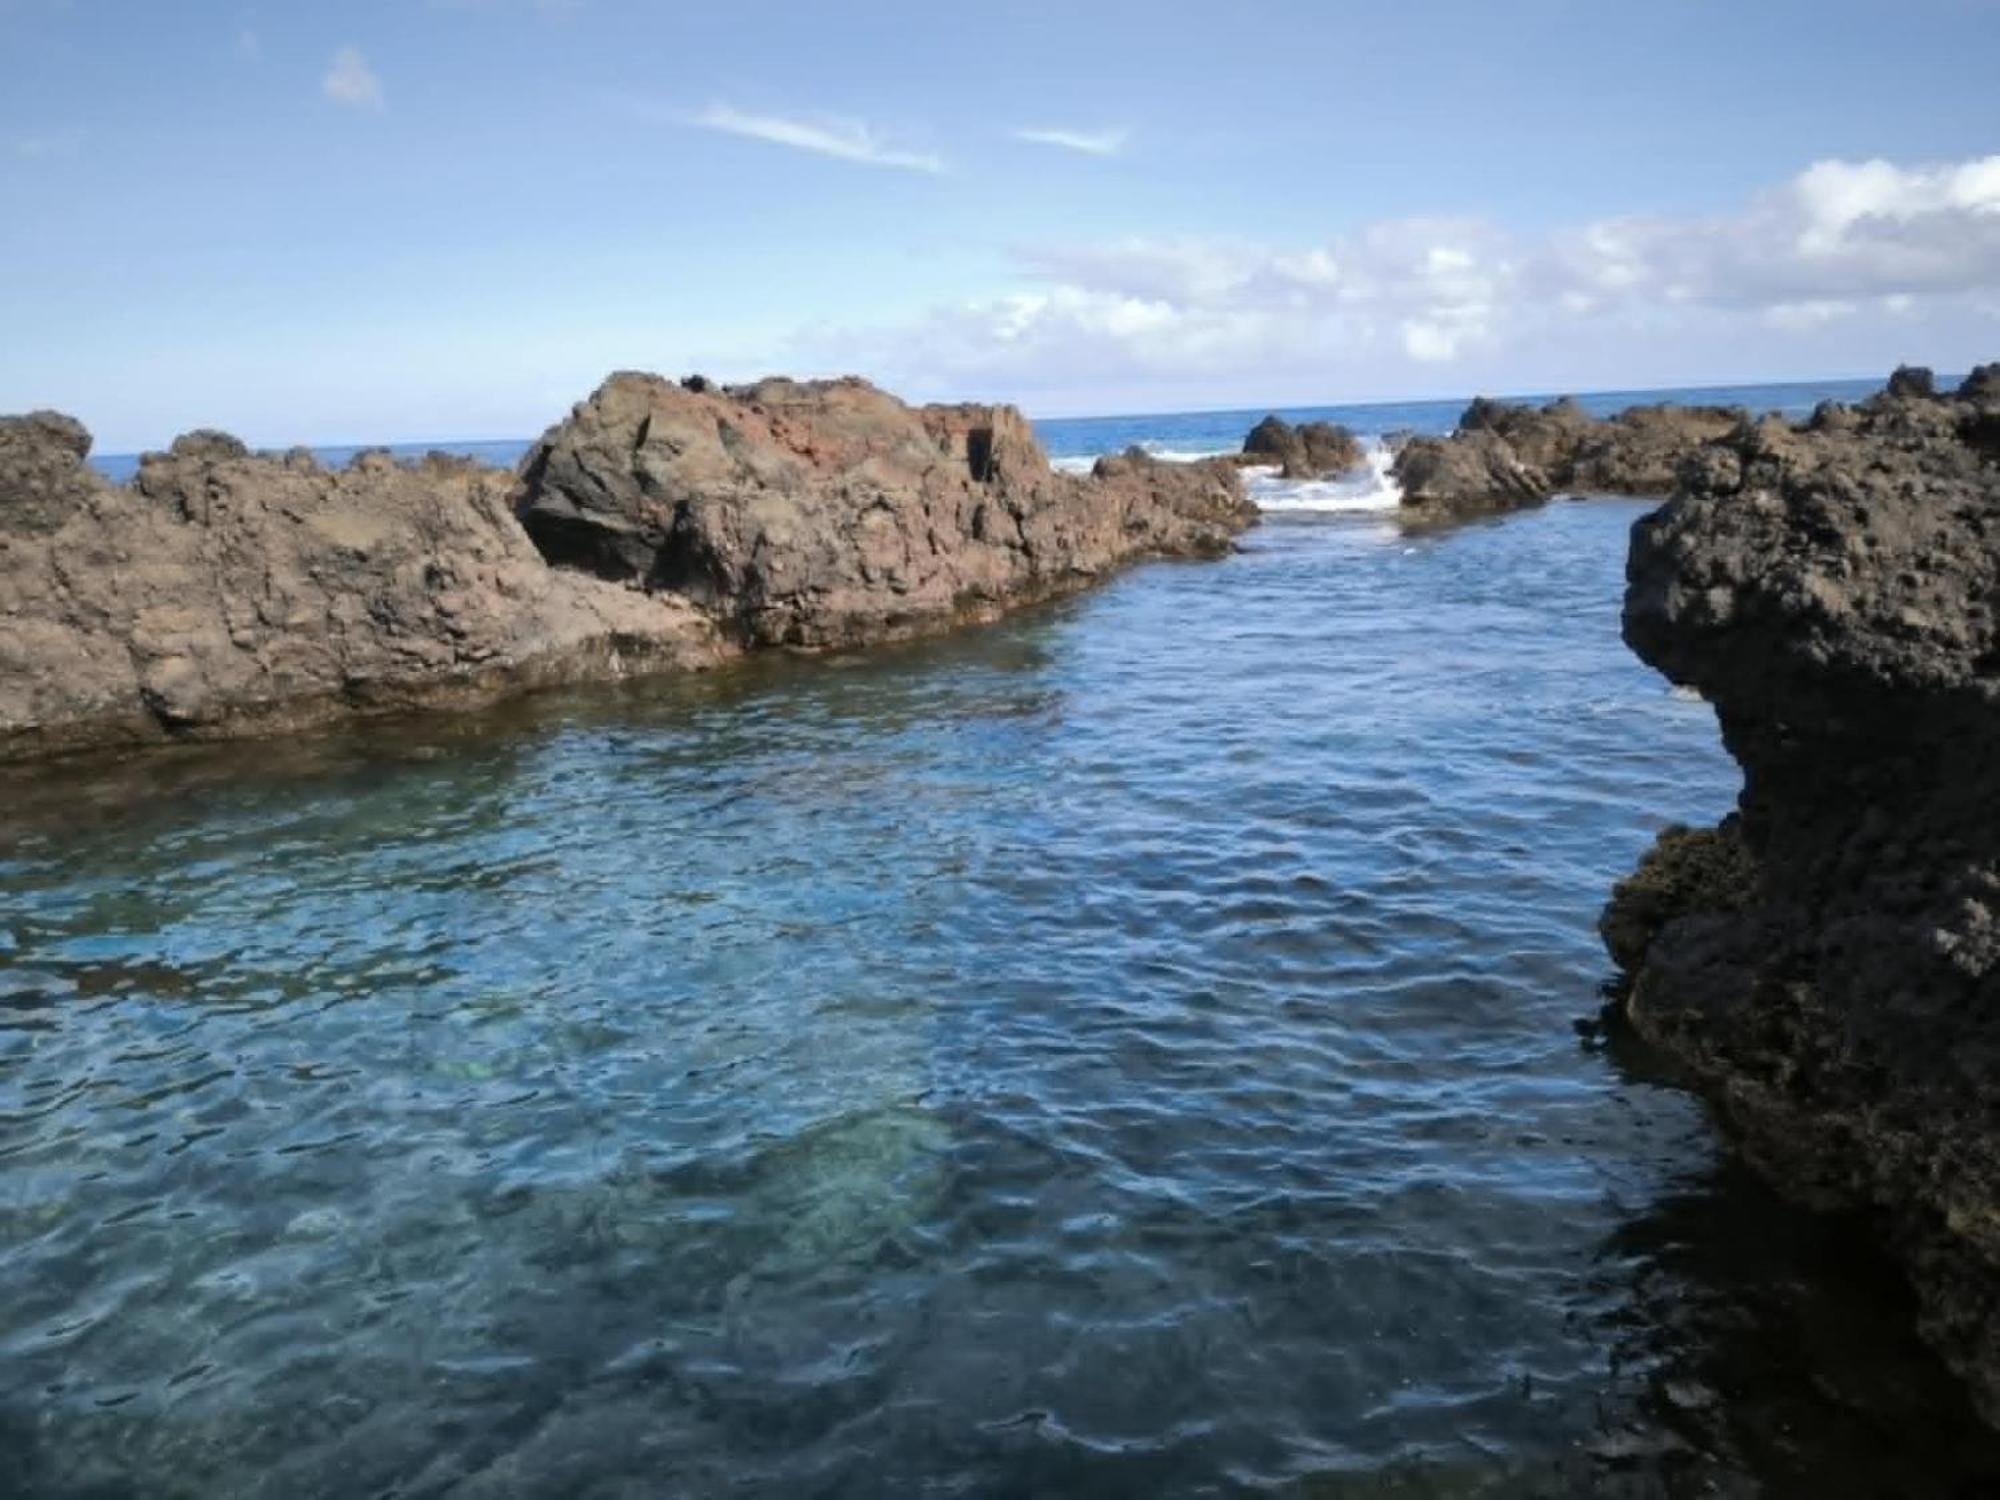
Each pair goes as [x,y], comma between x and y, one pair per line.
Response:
[1833,589]
[828,513]
[1471,471]
[224,594]
[1504,454]
[662,527]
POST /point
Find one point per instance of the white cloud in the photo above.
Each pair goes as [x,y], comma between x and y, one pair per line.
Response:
[1108,142]
[848,140]
[1871,252]
[248,45]
[350,81]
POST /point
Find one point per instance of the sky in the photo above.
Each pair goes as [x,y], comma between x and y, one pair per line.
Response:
[400,220]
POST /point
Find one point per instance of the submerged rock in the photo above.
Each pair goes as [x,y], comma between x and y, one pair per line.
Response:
[1311,450]
[666,527]
[1827,965]
[828,513]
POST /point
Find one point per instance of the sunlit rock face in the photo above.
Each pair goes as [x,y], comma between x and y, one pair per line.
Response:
[828,513]
[660,528]
[1833,589]
[223,593]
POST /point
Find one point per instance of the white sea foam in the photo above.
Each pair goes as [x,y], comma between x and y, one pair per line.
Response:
[1082,464]
[1366,488]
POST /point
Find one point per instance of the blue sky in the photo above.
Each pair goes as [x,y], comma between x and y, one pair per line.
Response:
[409,219]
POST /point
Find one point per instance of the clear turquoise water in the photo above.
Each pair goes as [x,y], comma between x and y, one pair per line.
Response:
[1128,1051]
[1223,431]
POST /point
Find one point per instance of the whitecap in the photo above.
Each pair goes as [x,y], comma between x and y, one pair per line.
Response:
[1367,487]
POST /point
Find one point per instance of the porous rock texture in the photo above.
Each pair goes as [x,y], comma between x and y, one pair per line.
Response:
[224,593]
[1826,966]
[1505,455]
[828,513]
[1310,450]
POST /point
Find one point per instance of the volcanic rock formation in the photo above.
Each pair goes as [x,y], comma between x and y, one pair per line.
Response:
[223,593]
[830,514]
[1311,450]
[1826,965]
[1505,455]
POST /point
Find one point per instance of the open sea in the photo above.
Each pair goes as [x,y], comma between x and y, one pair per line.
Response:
[1144,1048]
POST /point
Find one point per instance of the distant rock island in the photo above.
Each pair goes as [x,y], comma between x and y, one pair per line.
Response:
[1310,450]
[1826,963]
[660,527]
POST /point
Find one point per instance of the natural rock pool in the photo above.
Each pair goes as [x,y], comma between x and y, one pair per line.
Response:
[1126,1051]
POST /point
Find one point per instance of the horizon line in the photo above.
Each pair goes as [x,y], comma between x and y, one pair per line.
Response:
[1550,394]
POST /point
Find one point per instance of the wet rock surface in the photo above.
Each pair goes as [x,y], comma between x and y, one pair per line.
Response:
[828,513]
[1827,965]
[660,528]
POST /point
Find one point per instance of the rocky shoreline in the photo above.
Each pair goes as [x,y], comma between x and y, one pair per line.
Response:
[1825,965]
[1504,456]
[660,527]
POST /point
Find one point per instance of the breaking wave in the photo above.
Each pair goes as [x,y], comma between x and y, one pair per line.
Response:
[1368,487]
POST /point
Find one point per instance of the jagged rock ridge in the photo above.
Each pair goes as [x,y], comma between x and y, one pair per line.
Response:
[1504,455]
[226,593]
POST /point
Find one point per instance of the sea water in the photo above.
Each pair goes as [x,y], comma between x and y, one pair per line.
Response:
[1144,1048]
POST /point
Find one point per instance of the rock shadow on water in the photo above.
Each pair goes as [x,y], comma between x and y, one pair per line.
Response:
[1761,1348]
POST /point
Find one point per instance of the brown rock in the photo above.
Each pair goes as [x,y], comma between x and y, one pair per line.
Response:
[828,513]
[43,478]
[222,594]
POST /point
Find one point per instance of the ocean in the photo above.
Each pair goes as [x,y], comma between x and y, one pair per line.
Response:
[1143,1048]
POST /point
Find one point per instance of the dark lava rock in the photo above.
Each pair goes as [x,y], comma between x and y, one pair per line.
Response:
[1506,455]
[1311,450]
[1687,872]
[1911,383]
[1834,591]
[828,513]
[1472,470]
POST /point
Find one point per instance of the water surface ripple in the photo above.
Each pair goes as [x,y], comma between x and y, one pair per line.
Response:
[1127,1051]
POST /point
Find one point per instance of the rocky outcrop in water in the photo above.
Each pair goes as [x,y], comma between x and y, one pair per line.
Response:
[831,514]
[1826,966]
[1469,472]
[660,528]
[1505,455]
[1311,450]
